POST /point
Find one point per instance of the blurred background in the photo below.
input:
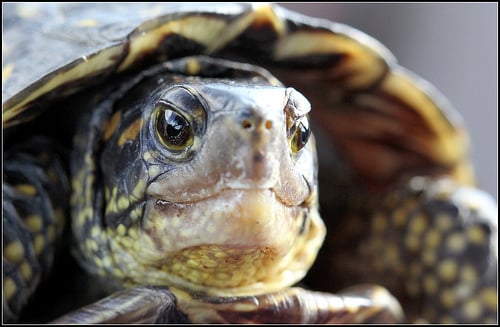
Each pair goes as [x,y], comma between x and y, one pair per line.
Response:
[452,45]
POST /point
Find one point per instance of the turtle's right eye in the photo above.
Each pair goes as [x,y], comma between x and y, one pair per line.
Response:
[301,135]
[173,130]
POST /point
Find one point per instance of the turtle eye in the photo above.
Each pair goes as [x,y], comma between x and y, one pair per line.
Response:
[301,135]
[173,130]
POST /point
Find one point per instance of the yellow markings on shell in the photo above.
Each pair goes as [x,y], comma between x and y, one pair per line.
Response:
[9,288]
[448,270]
[489,297]
[34,223]
[456,242]
[14,252]
[39,244]
[7,71]
[112,125]
[26,271]
[200,29]
[131,132]
[476,235]
[26,189]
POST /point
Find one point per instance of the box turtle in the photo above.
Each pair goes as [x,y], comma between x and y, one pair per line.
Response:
[159,166]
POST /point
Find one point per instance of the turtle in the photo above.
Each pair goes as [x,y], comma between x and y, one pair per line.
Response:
[180,163]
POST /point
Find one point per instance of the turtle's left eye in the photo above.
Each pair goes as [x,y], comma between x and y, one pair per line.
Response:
[174,130]
[301,135]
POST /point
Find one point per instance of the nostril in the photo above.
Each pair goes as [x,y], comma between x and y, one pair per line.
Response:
[269,124]
[246,124]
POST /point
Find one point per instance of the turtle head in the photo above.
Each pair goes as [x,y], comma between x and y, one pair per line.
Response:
[224,183]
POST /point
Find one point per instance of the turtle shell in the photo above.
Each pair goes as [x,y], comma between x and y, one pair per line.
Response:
[347,75]
[376,122]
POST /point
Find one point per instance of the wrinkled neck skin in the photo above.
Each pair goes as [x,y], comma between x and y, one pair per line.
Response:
[232,213]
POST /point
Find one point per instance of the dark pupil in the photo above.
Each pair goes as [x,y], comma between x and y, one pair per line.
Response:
[173,128]
[301,135]
[304,133]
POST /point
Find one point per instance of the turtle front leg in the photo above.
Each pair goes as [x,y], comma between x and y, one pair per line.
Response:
[363,304]
[35,194]
[436,241]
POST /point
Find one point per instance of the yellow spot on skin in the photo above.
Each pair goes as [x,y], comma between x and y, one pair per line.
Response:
[154,171]
[418,224]
[34,223]
[94,231]
[14,252]
[123,203]
[131,132]
[139,189]
[455,243]
[433,238]
[476,235]
[429,257]
[448,298]
[430,284]
[412,242]
[447,270]
[39,244]
[7,71]
[26,271]
[468,274]
[489,297]
[472,309]
[444,222]
[9,288]
[112,125]
[193,66]
[26,189]
[121,230]
[147,156]
[132,233]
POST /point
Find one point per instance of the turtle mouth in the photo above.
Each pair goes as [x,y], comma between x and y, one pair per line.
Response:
[232,239]
[236,218]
